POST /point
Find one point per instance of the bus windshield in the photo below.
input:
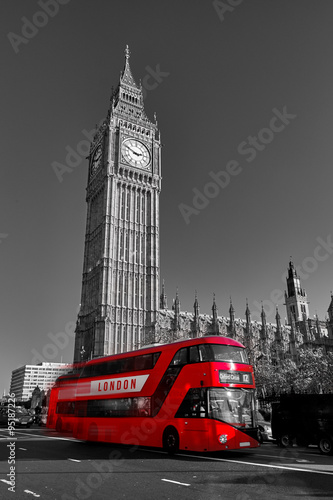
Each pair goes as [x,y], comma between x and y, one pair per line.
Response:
[219,352]
[234,406]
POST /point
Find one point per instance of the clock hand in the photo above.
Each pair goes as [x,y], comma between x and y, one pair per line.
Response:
[137,154]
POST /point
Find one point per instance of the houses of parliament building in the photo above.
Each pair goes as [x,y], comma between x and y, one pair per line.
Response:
[122,306]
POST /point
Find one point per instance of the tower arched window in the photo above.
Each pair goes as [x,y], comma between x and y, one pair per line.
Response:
[121,244]
[142,251]
[123,201]
[120,288]
[142,209]
[128,204]
[137,249]
[136,292]
[137,208]
[125,289]
[126,246]
[142,294]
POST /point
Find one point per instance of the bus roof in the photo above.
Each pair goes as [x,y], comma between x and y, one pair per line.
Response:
[178,344]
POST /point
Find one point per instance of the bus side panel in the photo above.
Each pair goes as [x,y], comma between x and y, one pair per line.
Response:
[194,433]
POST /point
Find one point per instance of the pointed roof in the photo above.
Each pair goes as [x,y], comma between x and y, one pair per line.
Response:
[231,308]
[330,307]
[263,313]
[177,296]
[278,320]
[247,310]
[196,303]
[291,269]
[126,75]
[214,308]
[277,314]
[163,298]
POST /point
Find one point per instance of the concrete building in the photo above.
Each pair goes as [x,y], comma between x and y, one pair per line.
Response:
[26,378]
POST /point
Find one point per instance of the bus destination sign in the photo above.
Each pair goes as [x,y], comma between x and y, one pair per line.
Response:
[232,377]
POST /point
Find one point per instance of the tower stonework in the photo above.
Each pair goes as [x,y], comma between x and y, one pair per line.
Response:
[120,283]
[296,298]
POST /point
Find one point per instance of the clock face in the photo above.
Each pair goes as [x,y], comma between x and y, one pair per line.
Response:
[96,159]
[135,153]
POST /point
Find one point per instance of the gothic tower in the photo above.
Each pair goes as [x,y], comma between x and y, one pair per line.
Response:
[120,284]
[296,298]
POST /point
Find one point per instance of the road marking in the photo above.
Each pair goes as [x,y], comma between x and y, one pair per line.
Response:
[31,493]
[73,460]
[284,467]
[176,482]
[275,456]
[48,437]
[5,481]
[24,449]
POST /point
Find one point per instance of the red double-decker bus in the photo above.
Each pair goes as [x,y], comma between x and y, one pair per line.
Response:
[61,410]
[195,394]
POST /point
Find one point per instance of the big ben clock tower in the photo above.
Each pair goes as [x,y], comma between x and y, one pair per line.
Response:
[120,284]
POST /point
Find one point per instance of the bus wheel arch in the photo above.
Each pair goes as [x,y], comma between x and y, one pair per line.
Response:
[171,440]
[325,445]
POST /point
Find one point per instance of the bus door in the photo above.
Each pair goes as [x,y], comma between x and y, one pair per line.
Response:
[193,424]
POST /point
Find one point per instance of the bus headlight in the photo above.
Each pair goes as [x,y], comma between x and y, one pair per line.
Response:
[223,438]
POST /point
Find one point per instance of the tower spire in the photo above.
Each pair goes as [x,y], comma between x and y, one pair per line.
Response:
[196,307]
[247,313]
[231,319]
[214,311]
[163,298]
[177,311]
[127,52]
[296,298]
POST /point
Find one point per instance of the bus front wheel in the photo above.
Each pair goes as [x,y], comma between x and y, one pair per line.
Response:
[326,445]
[171,440]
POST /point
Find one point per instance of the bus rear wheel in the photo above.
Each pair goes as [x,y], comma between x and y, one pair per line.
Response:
[171,440]
[326,445]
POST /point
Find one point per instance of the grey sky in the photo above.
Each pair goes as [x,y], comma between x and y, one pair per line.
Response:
[218,83]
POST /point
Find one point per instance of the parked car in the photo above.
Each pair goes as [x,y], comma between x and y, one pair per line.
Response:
[306,419]
[264,428]
[22,417]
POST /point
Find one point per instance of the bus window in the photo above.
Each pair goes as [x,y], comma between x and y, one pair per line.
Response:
[180,358]
[229,353]
[234,406]
[193,405]
[194,354]
[206,353]
[144,362]
[225,353]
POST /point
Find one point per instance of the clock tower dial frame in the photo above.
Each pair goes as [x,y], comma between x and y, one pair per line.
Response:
[96,160]
[135,153]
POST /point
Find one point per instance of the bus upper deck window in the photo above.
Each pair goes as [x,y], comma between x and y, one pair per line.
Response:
[206,353]
[180,358]
[194,354]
